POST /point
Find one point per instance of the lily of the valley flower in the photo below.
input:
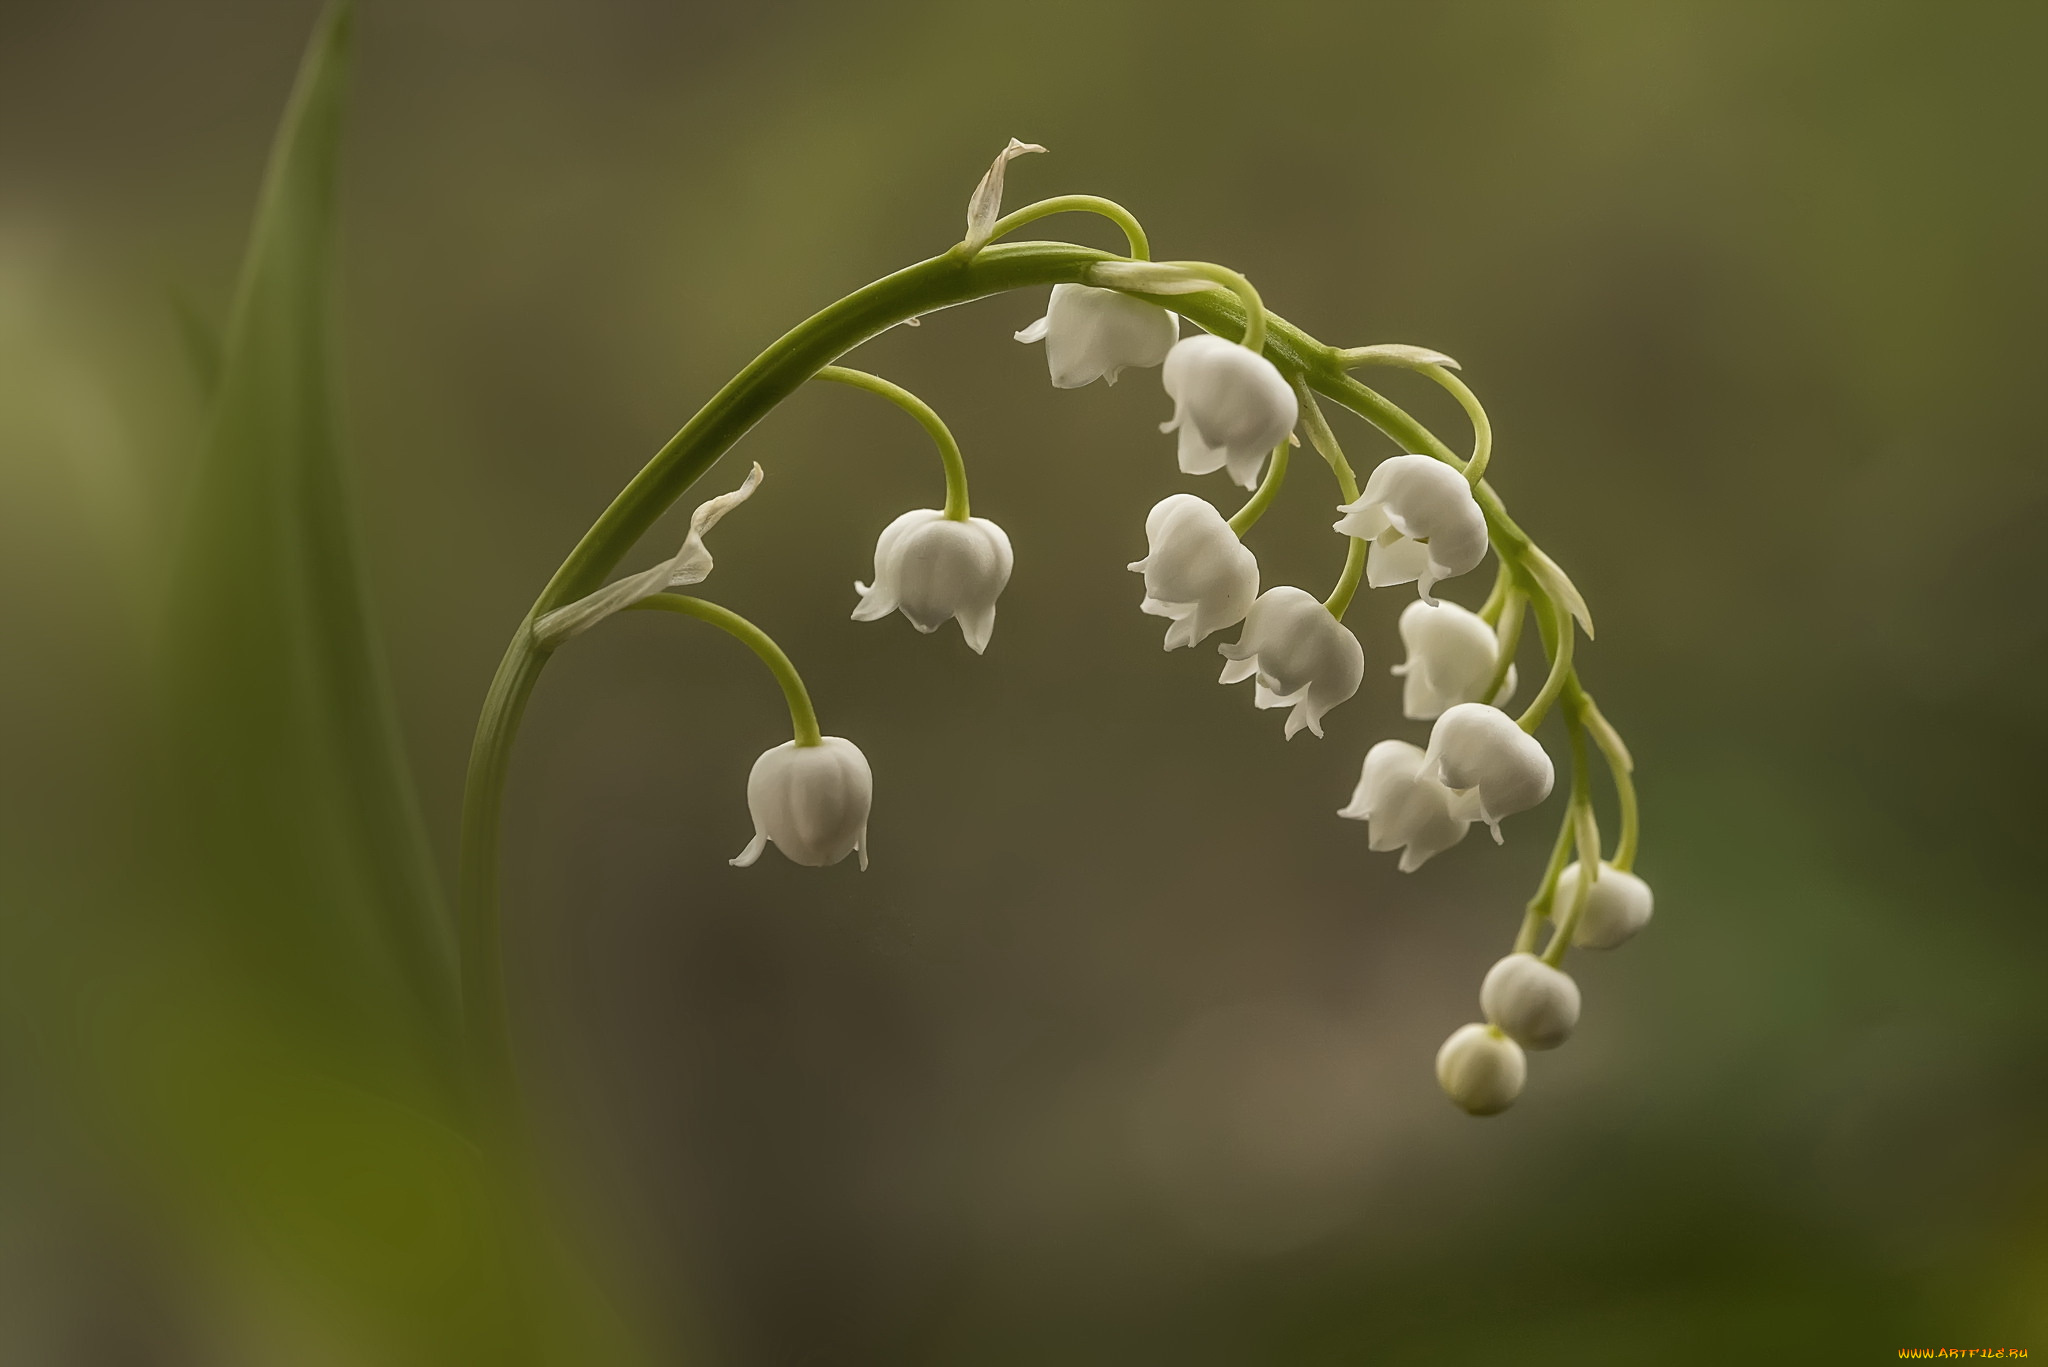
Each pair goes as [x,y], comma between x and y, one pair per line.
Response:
[1537,1005]
[1406,809]
[1452,654]
[1478,749]
[1617,906]
[1231,407]
[1196,572]
[1092,334]
[1422,520]
[933,568]
[812,801]
[1481,1069]
[1302,657]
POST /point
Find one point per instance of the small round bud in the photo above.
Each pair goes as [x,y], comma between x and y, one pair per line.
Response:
[1536,1004]
[1617,907]
[1481,1069]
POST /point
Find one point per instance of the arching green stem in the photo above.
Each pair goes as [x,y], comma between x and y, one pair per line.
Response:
[1134,232]
[1262,497]
[803,718]
[942,436]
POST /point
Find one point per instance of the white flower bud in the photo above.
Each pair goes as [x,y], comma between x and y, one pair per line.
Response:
[1231,407]
[1302,657]
[1197,573]
[1092,334]
[1452,654]
[934,568]
[812,801]
[1481,1069]
[1422,520]
[1406,809]
[1618,905]
[1536,1004]
[1478,749]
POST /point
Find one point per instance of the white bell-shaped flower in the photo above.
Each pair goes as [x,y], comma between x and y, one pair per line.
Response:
[1422,520]
[1618,905]
[1301,656]
[812,801]
[1092,334]
[933,568]
[1406,809]
[1452,654]
[1231,407]
[1481,1069]
[1537,1005]
[1197,572]
[1478,749]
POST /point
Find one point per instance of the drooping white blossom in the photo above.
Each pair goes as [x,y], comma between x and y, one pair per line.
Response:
[1406,809]
[1537,1005]
[1481,1069]
[1476,748]
[1422,520]
[690,565]
[811,801]
[1092,334]
[1452,654]
[1197,573]
[1231,407]
[1300,655]
[934,568]
[1617,906]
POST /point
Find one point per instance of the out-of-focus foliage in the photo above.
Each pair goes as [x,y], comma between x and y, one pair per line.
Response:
[253,1019]
[1120,1051]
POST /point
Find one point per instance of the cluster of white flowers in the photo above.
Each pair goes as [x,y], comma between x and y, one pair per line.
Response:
[1417,520]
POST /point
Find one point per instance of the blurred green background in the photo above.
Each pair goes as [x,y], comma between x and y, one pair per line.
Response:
[1120,1052]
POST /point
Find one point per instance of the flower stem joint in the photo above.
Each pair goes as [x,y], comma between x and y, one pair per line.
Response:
[1425,516]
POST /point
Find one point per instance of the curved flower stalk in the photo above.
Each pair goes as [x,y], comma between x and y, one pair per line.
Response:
[1240,385]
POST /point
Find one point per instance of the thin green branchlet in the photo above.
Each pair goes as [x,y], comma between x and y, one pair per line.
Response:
[1245,518]
[1222,302]
[956,509]
[803,718]
[1325,441]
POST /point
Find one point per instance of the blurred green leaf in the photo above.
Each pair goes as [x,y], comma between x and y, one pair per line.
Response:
[302,821]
